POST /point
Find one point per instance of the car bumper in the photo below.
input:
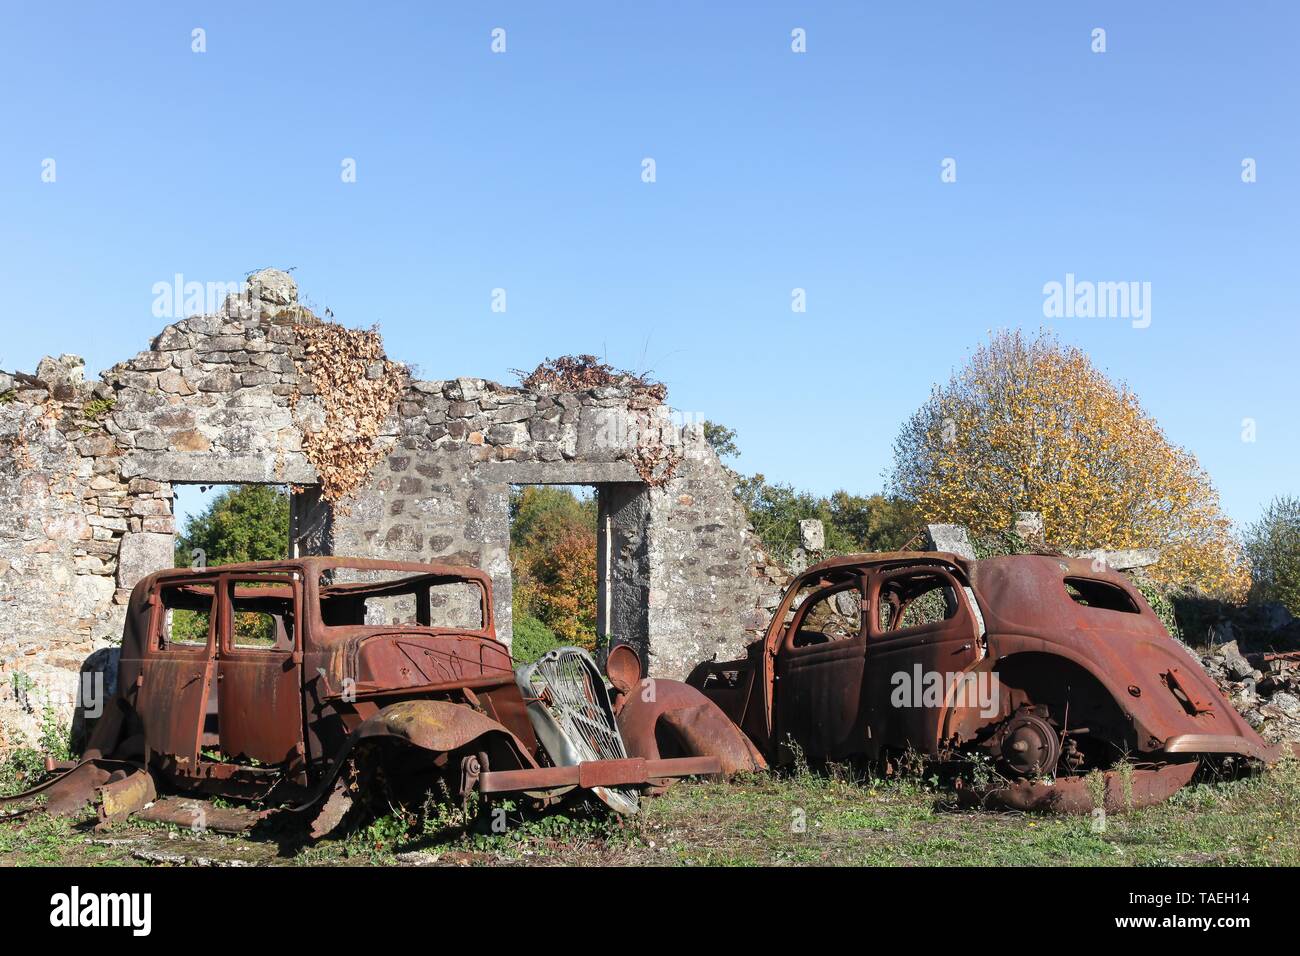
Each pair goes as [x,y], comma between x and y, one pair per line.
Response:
[634,771]
[1221,744]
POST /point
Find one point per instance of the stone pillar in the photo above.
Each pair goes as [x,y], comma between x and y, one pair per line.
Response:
[623,566]
[812,535]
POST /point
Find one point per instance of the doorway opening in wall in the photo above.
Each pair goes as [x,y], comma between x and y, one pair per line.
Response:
[233,523]
[579,558]
[553,544]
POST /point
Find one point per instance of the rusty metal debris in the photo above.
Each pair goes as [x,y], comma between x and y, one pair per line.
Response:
[1038,668]
[319,684]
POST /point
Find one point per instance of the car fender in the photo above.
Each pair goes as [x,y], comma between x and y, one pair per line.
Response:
[1154,713]
[683,721]
[440,726]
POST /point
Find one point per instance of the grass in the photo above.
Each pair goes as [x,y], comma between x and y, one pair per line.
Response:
[97,408]
[804,818]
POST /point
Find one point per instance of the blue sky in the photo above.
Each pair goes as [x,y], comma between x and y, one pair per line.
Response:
[774,170]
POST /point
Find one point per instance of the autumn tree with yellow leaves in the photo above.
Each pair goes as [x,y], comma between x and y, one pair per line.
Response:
[1031,425]
[553,554]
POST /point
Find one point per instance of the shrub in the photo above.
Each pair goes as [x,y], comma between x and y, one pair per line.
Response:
[1162,604]
[532,638]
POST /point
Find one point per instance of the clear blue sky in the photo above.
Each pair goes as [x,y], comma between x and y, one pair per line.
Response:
[775,170]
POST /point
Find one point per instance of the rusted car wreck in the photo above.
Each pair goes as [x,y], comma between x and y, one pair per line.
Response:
[1037,668]
[311,685]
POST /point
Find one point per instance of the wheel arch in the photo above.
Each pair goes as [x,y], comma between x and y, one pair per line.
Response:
[1032,675]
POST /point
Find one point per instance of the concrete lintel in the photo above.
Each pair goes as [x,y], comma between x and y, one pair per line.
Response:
[219,469]
[558,472]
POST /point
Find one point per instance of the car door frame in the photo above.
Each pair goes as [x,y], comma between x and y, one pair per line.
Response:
[260,711]
[173,685]
[818,688]
[950,646]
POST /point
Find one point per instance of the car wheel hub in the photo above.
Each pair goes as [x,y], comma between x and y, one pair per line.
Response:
[1030,745]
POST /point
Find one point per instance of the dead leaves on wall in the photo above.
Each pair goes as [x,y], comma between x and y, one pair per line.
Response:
[578,373]
[357,388]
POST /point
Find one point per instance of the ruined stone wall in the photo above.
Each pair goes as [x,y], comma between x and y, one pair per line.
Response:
[58,545]
[88,469]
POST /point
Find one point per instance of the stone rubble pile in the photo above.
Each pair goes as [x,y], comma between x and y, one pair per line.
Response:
[1264,685]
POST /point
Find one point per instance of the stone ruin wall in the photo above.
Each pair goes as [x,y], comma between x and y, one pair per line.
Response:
[87,472]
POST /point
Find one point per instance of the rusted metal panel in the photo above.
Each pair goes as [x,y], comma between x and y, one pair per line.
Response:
[1142,787]
[259,689]
[119,799]
[171,700]
[657,714]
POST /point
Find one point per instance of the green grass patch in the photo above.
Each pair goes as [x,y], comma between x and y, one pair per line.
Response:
[832,818]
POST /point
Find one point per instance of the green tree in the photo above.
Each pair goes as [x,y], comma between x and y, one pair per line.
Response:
[530,637]
[875,522]
[852,522]
[722,438]
[540,514]
[246,523]
[1273,546]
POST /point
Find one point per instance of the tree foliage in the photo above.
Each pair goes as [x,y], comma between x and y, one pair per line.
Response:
[852,522]
[1273,545]
[553,554]
[1031,425]
[245,523]
[722,438]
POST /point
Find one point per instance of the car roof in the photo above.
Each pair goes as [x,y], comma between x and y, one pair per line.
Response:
[316,564]
[874,558]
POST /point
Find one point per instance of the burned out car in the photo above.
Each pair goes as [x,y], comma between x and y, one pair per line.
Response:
[1021,673]
[314,684]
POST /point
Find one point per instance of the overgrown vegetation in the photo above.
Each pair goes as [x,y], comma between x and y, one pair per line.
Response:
[852,522]
[1161,604]
[531,638]
[97,408]
[24,765]
[579,373]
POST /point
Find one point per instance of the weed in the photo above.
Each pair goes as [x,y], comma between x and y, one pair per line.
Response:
[24,766]
[97,408]
[799,768]
[1125,773]
[1096,783]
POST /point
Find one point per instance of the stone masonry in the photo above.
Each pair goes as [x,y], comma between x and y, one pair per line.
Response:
[87,470]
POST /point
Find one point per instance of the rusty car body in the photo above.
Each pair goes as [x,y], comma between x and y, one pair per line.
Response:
[307,684]
[871,656]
